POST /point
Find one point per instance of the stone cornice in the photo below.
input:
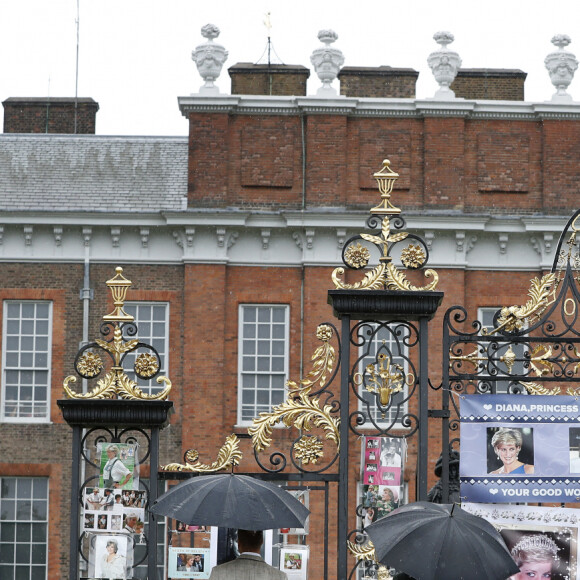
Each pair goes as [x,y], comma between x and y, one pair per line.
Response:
[272,239]
[328,217]
[366,107]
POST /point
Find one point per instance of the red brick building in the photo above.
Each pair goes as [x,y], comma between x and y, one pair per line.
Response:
[241,224]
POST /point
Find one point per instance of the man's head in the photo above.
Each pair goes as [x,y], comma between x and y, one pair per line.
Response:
[250,541]
[131,520]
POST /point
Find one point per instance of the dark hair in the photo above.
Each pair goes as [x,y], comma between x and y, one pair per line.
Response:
[251,539]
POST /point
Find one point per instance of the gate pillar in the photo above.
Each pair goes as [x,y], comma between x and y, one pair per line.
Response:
[385,299]
[116,416]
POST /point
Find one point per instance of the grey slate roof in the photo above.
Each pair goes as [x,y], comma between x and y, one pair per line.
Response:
[92,173]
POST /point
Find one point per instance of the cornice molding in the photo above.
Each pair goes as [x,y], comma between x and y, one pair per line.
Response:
[373,107]
[283,239]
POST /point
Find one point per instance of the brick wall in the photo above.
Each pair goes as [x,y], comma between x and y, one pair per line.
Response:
[204,301]
[490,84]
[444,162]
[44,449]
[273,79]
[50,115]
[378,82]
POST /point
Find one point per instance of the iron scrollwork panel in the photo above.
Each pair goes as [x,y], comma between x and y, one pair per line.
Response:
[384,377]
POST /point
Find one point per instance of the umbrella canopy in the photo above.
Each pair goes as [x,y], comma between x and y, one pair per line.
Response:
[231,501]
[441,541]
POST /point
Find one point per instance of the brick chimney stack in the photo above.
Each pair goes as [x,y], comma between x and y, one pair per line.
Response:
[268,80]
[50,115]
[489,84]
[382,82]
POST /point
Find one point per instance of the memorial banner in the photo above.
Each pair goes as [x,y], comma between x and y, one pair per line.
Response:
[542,540]
[520,448]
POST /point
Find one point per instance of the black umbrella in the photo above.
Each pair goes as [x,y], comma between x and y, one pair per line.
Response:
[231,501]
[441,541]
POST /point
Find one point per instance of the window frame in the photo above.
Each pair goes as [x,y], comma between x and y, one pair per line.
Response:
[149,386]
[241,373]
[28,522]
[4,417]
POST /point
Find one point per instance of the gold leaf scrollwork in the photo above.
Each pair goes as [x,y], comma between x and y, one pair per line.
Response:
[396,280]
[114,384]
[372,280]
[228,455]
[364,552]
[538,389]
[542,293]
[301,412]
[322,360]
[300,409]
[539,363]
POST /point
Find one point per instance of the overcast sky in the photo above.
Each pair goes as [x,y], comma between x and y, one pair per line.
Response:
[135,55]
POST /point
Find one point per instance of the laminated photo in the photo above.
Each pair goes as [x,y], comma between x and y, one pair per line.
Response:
[110,556]
[294,561]
[188,562]
[543,541]
[118,465]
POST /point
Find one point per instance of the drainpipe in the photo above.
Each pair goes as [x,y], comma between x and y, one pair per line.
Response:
[86,296]
[303,273]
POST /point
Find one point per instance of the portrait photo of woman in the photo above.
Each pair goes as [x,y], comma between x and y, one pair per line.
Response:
[541,555]
[509,453]
[537,556]
[111,560]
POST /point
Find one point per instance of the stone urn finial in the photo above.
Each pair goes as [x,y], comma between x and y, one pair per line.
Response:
[561,65]
[444,63]
[327,62]
[209,58]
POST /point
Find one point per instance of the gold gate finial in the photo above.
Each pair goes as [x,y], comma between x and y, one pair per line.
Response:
[119,286]
[116,384]
[385,276]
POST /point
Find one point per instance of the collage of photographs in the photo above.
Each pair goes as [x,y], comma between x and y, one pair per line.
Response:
[383,464]
[113,514]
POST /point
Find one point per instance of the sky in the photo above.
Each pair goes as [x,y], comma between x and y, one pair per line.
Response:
[134,56]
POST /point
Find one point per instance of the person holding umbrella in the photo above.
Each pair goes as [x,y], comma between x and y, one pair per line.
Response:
[249,565]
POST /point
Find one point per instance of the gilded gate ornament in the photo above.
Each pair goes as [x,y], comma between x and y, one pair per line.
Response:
[384,380]
[386,275]
[532,346]
[116,384]
[366,553]
[301,410]
[229,455]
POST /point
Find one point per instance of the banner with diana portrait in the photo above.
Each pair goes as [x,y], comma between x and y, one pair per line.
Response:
[520,448]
